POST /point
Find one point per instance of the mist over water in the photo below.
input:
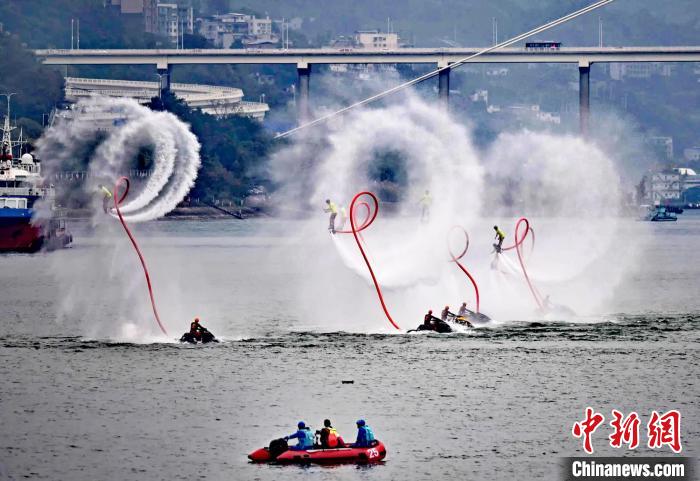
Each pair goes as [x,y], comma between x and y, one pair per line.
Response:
[568,188]
[105,287]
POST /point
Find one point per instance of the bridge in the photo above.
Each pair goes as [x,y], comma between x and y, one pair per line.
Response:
[304,59]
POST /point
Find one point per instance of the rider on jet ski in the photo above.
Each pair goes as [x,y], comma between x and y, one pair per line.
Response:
[429,321]
[196,329]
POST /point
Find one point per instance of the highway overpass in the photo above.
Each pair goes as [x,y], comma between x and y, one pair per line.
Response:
[164,59]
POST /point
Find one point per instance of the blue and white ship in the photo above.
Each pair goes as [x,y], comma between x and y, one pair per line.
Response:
[21,190]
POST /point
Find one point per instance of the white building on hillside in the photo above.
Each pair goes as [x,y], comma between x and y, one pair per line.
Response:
[669,186]
[691,154]
[663,145]
[662,187]
[375,40]
[174,21]
[224,30]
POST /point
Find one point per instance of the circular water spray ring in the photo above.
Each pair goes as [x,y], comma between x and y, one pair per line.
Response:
[356,234]
[117,201]
[456,258]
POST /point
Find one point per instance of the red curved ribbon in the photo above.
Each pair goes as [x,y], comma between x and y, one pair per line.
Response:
[519,240]
[355,233]
[528,231]
[365,223]
[118,200]
[456,259]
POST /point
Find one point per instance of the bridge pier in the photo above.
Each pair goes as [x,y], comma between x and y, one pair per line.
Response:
[164,72]
[584,96]
[303,78]
[444,86]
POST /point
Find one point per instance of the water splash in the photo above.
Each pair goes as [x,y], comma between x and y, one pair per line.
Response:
[111,154]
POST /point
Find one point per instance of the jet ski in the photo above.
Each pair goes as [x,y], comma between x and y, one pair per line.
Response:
[436,325]
[473,318]
[204,338]
[279,452]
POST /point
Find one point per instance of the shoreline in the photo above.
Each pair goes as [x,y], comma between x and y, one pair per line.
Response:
[186,213]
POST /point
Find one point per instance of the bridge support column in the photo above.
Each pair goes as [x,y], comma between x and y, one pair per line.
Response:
[303,77]
[444,86]
[584,95]
[164,72]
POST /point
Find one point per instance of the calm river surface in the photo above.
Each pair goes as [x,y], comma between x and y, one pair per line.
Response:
[78,403]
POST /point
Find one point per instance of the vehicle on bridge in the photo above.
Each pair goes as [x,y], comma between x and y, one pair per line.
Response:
[544,45]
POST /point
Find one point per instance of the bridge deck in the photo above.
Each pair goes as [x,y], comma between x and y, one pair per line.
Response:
[164,57]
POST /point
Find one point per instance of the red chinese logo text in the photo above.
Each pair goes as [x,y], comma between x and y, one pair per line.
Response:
[662,430]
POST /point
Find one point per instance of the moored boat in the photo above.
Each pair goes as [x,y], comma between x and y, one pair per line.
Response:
[21,191]
[661,214]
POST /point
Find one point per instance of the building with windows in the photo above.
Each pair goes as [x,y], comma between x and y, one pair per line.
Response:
[662,145]
[662,187]
[260,27]
[174,21]
[669,186]
[150,16]
[374,39]
[167,21]
[223,30]
[639,70]
[691,154]
[126,6]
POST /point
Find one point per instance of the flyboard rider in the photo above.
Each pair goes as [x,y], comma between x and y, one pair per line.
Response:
[333,209]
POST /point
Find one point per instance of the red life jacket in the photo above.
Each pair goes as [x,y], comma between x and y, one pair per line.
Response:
[332,438]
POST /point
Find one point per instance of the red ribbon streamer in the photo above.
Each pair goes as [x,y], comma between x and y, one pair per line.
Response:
[117,201]
[519,240]
[355,233]
[456,259]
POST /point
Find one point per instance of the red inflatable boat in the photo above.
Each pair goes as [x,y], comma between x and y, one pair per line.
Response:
[371,454]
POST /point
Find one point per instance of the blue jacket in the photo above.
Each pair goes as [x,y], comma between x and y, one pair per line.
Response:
[365,436]
[306,439]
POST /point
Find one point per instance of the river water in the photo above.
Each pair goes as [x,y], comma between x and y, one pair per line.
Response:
[81,401]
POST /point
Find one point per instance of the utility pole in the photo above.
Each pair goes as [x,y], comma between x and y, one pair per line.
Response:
[600,31]
[71,33]
[78,39]
[495,31]
[160,85]
[9,96]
